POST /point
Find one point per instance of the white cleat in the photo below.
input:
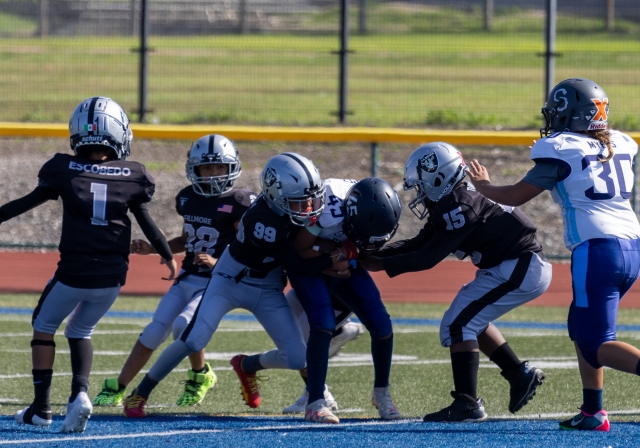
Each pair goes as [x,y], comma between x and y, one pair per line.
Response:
[381,400]
[319,412]
[77,414]
[25,417]
[299,406]
[350,331]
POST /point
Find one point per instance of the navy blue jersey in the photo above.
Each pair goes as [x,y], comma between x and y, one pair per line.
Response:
[209,222]
[466,224]
[96,231]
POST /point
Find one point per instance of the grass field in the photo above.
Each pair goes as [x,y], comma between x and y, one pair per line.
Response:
[420,376]
[428,67]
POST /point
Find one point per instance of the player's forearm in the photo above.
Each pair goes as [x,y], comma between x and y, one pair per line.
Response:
[19,206]
[151,231]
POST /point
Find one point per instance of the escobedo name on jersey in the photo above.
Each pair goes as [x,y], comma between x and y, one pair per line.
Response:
[96,230]
[593,196]
[330,220]
[209,222]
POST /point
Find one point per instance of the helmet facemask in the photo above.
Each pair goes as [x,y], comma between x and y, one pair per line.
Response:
[291,185]
[212,150]
[303,210]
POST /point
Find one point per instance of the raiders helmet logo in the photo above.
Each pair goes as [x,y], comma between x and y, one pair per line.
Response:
[428,164]
[270,177]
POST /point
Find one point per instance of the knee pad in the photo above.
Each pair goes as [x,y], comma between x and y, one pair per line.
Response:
[178,326]
[154,335]
[589,351]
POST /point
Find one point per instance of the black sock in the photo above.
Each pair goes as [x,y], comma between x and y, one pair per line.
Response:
[465,372]
[204,369]
[505,358]
[81,360]
[251,364]
[638,368]
[146,386]
[591,400]
[42,388]
[381,352]
[304,376]
[317,363]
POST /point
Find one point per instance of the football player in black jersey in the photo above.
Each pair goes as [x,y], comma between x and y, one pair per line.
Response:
[501,242]
[211,209]
[97,187]
[249,275]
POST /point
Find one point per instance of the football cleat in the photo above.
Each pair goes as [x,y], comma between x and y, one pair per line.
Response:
[133,406]
[248,383]
[350,331]
[464,409]
[27,416]
[382,401]
[523,382]
[301,403]
[587,422]
[111,395]
[196,387]
[77,414]
[319,412]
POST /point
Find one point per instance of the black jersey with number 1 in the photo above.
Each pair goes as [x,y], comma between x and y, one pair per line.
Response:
[209,223]
[96,231]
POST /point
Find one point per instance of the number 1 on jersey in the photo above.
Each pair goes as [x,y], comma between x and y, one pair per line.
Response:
[99,204]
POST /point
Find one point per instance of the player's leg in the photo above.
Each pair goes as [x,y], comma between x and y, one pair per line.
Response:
[314,296]
[361,295]
[201,377]
[214,305]
[153,335]
[78,331]
[53,307]
[602,271]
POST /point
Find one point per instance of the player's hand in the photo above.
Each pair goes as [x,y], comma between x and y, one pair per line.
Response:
[204,259]
[141,247]
[349,250]
[370,263]
[478,173]
[339,270]
[173,268]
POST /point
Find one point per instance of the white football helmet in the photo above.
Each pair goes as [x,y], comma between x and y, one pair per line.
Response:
[212,149]
[291,184]
[432,170]
[100,121]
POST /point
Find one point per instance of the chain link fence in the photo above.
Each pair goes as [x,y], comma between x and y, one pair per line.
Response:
[457,64]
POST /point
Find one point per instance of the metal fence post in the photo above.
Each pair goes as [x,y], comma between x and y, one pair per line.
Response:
[344,49]
[551,47]
[144,34]
[374,159]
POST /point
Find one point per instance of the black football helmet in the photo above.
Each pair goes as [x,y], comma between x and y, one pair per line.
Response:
[575,105]
[372,212]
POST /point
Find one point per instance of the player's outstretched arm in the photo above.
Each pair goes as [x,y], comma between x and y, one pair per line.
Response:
[513,195]
[17,207]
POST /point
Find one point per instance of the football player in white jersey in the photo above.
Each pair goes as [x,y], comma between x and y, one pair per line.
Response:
[588,169]
[361,216]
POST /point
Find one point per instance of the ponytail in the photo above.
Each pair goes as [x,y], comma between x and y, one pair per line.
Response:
[603,136]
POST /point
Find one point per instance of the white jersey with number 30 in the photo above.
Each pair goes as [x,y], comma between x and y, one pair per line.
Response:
[593,196]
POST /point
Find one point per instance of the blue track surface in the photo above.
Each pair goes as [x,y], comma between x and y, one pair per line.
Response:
[251,432]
